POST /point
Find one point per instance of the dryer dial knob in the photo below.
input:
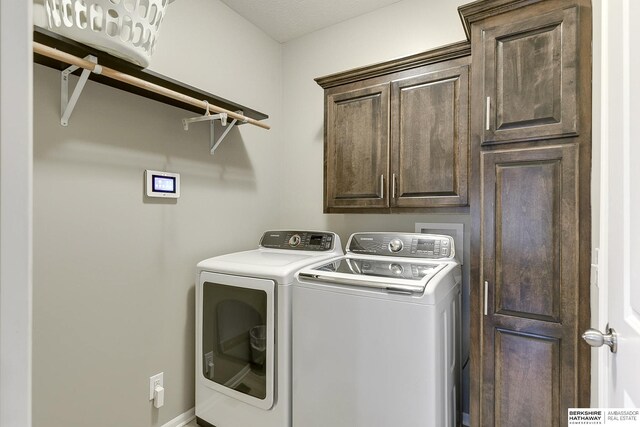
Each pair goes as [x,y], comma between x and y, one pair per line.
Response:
[395,245]
[294,240]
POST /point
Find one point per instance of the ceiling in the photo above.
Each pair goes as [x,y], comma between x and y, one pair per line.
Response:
[285,20]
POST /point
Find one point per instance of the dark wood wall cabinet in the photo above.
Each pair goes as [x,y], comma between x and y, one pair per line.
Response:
[507,132]
[397,140]
[530,163]
[530,70]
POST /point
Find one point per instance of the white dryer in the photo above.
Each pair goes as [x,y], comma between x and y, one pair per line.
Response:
[243,329]
[376,335]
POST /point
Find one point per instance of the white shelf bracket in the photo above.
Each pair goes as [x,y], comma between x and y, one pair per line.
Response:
[211,118]
[214,143]
[68,104]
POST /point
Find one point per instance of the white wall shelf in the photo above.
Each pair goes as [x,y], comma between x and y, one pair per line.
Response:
[154,80]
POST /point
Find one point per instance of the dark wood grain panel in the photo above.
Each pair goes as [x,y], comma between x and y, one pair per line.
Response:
[527,253]
[427,113]
[357,147]
[429,128]
[530,264]
[531,230]
[527,380]
[530,78]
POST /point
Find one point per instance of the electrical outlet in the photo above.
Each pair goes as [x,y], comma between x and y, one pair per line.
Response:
[208,365]
[154,381]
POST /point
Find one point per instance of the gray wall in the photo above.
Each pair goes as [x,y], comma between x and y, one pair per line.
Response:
[403,28]
[113,279]
[16,164]
[113,297]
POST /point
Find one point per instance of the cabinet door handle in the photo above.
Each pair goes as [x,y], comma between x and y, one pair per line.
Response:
[382,186]
[486,297]
[488,114]
[393,186]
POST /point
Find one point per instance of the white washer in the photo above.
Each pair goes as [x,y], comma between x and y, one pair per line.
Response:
[243,329]
[376,335]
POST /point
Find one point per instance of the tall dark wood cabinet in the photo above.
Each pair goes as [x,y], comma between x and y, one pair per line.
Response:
[530,133]
[397,134]
[529,272]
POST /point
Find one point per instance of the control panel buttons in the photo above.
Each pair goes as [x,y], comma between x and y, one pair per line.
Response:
[395,245]
[327,242]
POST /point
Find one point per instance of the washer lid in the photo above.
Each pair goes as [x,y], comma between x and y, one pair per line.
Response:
[384,273]
[396,269]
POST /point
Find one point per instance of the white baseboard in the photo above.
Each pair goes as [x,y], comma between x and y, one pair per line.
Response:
[182,419]
[465,419]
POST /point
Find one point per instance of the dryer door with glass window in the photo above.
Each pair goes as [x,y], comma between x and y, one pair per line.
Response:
[237,341]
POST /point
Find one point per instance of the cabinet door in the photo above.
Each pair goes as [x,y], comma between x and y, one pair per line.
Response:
[429,143]
[530,72]
[530,279]
[357,145]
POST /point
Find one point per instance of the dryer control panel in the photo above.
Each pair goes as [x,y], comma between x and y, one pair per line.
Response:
[298,240]
[416,245]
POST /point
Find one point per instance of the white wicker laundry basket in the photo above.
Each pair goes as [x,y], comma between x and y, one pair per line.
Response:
[127,29]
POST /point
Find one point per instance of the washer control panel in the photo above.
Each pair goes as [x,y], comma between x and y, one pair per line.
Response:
[433,246]
[298,240]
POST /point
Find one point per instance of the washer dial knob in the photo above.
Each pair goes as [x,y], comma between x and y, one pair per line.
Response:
[294,240]
[396,269]
[395,245]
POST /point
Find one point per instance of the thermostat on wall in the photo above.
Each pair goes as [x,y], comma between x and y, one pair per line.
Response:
[162,184]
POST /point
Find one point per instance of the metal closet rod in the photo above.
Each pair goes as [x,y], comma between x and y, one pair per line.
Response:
[134,81]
